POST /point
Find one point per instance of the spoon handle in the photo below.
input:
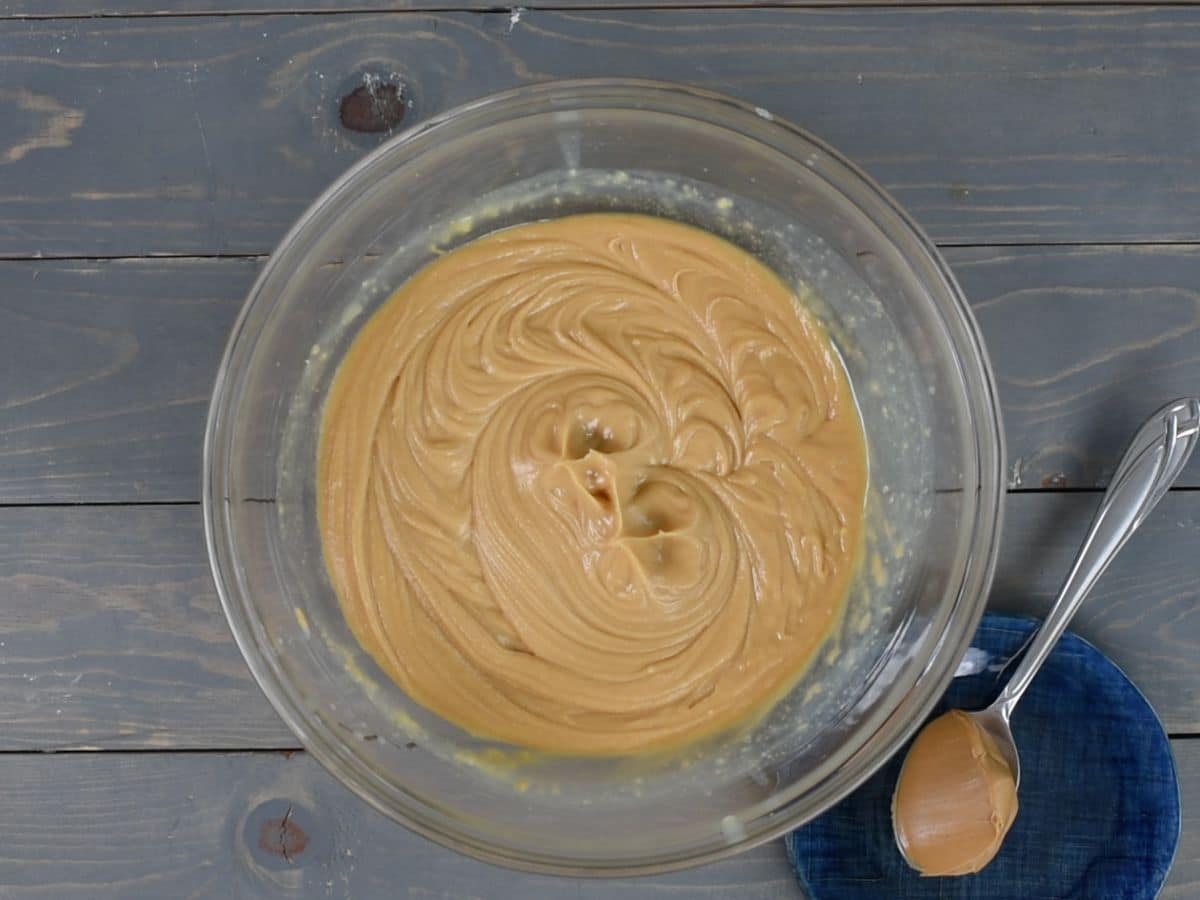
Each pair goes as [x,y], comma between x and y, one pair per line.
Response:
[1153,461]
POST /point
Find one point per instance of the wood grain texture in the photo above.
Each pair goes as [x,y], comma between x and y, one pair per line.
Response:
[1184,883]
[211,134]
[118,825]
[1086,342]
[106,366]
[103,825]
[113,637]
[1144,613]
[44,9]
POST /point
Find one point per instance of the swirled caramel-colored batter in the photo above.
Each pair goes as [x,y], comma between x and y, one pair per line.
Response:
[592,485]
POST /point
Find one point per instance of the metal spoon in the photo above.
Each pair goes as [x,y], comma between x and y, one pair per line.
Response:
[1156,456]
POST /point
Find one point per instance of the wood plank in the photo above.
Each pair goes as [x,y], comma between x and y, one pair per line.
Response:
[113,637]
[45,9]
[1085,342]
[211,134]
[106,366]
[1184,883]
[1143,613]
[101,825]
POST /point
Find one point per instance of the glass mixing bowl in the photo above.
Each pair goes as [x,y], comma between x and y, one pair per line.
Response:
[921,378]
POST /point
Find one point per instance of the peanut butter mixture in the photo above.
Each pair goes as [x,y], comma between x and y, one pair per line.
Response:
[592,485]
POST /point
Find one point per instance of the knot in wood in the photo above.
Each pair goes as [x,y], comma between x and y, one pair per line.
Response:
[375,106]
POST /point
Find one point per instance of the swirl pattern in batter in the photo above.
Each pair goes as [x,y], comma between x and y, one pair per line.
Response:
[592,485]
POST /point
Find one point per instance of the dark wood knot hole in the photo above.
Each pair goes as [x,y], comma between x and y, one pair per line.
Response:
[374,106]
[280,834]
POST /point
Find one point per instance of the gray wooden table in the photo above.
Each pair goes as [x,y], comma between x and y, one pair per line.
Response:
[151,153]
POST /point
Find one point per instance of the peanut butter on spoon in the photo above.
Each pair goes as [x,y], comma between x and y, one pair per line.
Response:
[956,798]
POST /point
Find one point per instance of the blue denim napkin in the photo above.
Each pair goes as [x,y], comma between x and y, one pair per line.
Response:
[1099,799]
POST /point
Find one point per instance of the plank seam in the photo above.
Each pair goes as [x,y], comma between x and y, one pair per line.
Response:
[598,7]
[286,752]
[943,245]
